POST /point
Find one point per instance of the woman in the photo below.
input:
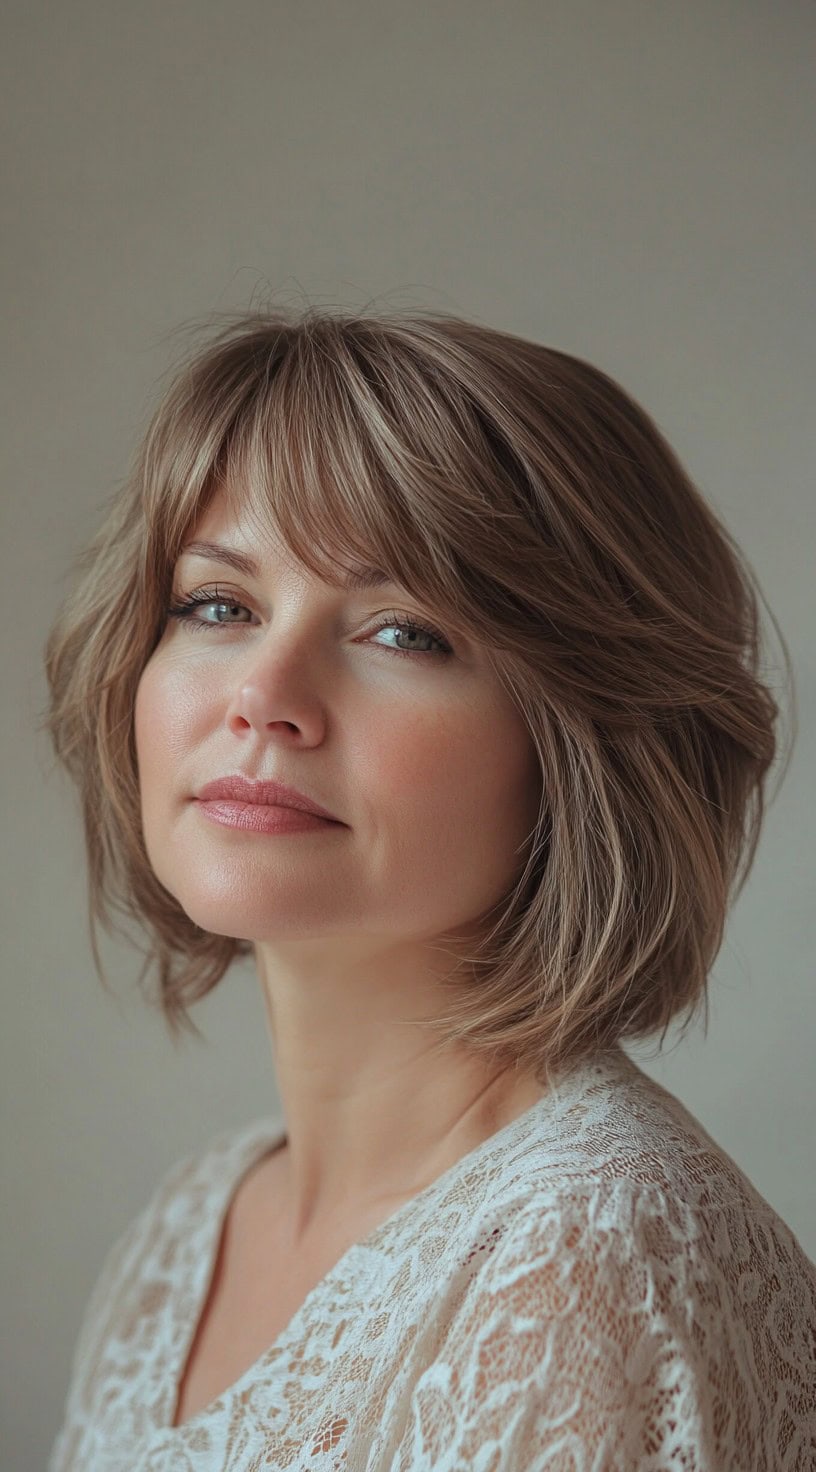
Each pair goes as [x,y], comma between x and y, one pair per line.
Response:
[455,590]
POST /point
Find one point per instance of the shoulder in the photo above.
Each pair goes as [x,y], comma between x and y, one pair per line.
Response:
[609,1122]
[614,1319]
[612,1326]
[199,1179]
[613,1194]
[146,1262]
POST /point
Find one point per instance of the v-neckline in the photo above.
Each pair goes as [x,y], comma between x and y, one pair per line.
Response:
[254,1141]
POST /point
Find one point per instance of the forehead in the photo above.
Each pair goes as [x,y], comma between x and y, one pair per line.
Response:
[234,520]
[235,536]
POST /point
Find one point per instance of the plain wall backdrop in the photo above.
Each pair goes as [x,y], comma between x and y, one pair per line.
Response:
[629,182]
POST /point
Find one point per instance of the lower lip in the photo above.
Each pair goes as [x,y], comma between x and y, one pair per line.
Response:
[259,817]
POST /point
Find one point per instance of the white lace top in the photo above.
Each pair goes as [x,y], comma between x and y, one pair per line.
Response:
[595,1288]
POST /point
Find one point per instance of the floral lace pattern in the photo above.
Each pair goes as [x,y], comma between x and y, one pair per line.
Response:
[597,1287]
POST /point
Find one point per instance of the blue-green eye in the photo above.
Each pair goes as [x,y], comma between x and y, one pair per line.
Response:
[414,630]
[185,612]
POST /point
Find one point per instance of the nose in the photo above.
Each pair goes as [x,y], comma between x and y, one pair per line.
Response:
[275,694]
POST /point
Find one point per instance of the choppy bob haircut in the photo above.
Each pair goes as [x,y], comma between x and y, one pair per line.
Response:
[522,494]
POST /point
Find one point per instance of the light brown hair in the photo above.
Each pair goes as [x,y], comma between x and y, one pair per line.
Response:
[522,493]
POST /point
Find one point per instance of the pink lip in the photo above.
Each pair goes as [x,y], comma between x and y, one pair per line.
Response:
[263,817]
[266,794]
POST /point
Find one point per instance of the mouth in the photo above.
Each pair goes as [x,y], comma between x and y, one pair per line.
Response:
[264,817]
[237,789]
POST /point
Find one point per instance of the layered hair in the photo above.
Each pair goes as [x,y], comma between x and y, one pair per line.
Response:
[523,494]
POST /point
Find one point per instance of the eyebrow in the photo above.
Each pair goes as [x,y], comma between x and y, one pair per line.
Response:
[355,580]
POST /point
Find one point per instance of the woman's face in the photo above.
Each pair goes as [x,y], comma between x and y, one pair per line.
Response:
[421,756]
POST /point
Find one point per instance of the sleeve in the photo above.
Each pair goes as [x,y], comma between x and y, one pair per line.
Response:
[577,1350]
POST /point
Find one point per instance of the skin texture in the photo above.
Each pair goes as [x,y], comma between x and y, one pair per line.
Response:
[432,773]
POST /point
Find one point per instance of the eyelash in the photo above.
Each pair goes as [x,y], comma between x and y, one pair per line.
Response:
[203,597]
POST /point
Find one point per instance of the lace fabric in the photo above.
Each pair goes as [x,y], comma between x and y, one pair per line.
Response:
[597,1287]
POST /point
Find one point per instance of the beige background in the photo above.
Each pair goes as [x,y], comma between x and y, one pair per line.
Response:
[629,182]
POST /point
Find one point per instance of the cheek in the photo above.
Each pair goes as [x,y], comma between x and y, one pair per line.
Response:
[463,787]
[150,729]
[142,723]
[149,722]
[165,715]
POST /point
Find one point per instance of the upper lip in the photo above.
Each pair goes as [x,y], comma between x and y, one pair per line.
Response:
[273,794]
